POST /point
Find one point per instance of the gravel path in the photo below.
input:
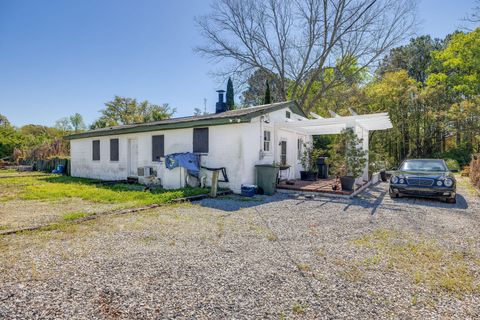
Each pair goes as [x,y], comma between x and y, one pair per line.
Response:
[273,257]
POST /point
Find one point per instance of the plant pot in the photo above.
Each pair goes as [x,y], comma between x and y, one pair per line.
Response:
[383,175]
[347,183]
[308,176]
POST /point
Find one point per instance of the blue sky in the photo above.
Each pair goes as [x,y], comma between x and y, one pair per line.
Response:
[58,57]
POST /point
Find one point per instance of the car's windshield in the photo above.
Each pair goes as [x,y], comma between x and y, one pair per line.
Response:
[423,165]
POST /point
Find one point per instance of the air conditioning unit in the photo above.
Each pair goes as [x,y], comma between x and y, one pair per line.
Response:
[145,171]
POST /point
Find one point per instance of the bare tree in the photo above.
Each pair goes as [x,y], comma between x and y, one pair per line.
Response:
[472,20]
[306,43]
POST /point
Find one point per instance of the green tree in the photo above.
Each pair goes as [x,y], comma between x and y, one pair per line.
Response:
[77,123]
[458,65]
[268,97]
[121,111]
[230,95]
[457,69]
[414,57]
[63,124]
[4,121]
[397,94]
[256,87]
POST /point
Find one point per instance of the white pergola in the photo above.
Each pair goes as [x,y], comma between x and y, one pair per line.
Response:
[361,124]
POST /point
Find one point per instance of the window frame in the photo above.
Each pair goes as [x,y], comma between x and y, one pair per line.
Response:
[162,149]
[96,144]
[267,142]
[198,134]
[299,148]
[118,150]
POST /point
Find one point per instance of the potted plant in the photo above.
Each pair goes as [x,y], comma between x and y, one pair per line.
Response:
[347,158]
[309,162]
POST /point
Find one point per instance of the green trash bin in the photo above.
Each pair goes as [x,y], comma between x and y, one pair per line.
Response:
[267,178]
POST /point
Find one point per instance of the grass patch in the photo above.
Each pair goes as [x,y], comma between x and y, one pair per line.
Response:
[74,215]
[467,184]
[303,267]
[423,260]
[8,171]
[61,187]
[298,308]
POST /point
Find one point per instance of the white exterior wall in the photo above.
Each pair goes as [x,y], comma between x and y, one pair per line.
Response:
[234,146]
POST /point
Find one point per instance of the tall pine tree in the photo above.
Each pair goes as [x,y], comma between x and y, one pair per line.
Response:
[268,98]
[230,98]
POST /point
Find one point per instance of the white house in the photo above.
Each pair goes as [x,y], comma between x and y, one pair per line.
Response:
[237,140]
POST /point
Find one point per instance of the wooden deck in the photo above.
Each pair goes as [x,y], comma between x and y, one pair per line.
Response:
[321,186]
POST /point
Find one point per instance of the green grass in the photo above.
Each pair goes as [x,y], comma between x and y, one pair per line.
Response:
[7,171]
[74,215]
[61,187]
[423,260]
[298,307]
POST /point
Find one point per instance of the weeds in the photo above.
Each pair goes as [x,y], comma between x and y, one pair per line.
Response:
[423,259]
[303,267]
[74,215]
[298,308]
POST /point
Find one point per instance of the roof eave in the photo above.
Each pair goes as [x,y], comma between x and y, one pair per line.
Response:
[159,127]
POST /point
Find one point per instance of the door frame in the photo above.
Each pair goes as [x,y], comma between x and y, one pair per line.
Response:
[281,142]
[129,158]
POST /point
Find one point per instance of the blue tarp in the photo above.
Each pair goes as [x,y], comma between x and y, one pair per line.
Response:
[187,160]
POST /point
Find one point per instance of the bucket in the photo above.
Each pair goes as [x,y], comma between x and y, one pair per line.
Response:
[248,190]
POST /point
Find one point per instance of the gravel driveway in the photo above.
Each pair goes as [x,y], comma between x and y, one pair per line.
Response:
[278,257]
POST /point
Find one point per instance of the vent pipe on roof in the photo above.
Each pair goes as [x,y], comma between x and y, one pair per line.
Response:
[221,106]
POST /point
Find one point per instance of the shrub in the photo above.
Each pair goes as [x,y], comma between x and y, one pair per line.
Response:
[461,153]
[452,164]
[475,171]
[309,157]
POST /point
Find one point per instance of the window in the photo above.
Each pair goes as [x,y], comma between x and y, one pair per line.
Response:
[114,150]
[200,140]
[96,150]
[266,140]
[287,114]
[158,147]
[299,148]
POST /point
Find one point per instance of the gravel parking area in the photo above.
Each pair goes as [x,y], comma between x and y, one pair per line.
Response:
[272,257]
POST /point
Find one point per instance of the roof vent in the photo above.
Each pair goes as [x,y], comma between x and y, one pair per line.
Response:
[221,106]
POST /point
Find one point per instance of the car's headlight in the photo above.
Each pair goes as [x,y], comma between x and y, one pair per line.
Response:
[448,182]
[394,179]
[439,183]
[401,181]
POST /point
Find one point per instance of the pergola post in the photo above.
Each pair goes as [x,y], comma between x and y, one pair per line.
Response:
[362,133]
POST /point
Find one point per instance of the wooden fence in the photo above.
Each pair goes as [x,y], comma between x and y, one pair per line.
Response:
[49,165]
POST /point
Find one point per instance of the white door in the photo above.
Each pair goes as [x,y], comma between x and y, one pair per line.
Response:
[132,157]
